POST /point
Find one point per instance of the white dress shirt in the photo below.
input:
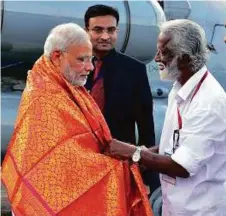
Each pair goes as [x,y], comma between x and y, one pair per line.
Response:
[201,151]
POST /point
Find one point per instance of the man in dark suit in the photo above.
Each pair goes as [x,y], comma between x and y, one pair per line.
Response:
[119,83]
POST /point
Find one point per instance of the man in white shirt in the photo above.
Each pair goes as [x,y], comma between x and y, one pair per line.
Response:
[192,152]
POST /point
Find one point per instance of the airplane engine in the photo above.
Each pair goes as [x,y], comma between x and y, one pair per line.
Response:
[25,26]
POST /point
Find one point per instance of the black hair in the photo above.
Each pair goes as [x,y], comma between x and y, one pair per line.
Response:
[100,10]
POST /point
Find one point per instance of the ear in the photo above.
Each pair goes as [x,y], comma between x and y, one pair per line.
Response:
[184,61]
[55,57]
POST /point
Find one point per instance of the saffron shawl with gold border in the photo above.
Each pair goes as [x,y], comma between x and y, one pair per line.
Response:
[55,164]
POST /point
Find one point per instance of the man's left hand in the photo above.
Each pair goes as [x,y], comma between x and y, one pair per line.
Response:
[121,148]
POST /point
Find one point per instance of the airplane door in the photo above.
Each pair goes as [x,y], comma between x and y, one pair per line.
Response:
[26,25]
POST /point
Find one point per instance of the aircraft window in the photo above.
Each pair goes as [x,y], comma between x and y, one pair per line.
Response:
[159,92]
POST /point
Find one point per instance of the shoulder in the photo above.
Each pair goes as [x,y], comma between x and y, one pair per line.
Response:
[209,112]
[211,94]
[42,90]
[39,83]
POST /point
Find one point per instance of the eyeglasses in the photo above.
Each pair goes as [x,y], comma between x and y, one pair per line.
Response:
[100,30]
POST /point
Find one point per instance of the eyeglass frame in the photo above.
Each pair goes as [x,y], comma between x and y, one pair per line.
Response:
[100,30]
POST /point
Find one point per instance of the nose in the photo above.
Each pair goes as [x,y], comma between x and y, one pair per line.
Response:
[105,35]
[89,66]
[157,57]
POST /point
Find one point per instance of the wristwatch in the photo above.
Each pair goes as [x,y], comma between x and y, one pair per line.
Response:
[136,155]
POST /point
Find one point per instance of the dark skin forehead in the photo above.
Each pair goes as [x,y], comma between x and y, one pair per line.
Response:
[163,40]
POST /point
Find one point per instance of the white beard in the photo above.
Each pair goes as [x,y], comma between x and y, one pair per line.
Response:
[74,79]
[165,75]
[170,72]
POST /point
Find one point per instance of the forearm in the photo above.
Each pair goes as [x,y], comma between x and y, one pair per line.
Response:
[162,164]
[159,163]
[154,149]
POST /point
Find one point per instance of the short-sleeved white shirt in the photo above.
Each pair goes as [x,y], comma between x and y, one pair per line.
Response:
[201,151]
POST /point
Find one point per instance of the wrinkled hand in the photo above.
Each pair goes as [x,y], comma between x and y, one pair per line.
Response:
[122,149]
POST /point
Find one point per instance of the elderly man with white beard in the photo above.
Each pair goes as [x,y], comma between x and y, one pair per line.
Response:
[191,156]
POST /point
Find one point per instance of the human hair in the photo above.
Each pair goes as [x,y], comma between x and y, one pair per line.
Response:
[62,36]
[100,10]
[187,37]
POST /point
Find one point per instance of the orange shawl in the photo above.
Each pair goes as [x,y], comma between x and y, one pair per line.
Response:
[54,164]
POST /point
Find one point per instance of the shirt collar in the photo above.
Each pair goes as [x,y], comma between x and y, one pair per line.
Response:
[109,55]
[189,86]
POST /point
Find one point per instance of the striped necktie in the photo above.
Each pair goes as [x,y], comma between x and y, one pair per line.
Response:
[97,90]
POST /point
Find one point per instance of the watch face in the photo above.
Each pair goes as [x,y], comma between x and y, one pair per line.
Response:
[136,157]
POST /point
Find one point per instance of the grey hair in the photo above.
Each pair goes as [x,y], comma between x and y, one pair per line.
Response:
[62,36]
[187,38]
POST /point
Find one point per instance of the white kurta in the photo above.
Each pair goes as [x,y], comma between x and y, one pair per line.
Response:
[201,151]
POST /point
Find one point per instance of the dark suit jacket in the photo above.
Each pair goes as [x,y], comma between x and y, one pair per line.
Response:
[128,98]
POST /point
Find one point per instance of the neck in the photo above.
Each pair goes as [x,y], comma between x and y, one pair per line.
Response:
[186,74]
[100,54]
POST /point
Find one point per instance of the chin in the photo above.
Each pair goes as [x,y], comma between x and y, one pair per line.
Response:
[166,74]
[80,82]
[102,48]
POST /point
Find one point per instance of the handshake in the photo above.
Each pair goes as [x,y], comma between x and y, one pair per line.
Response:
[125,150]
